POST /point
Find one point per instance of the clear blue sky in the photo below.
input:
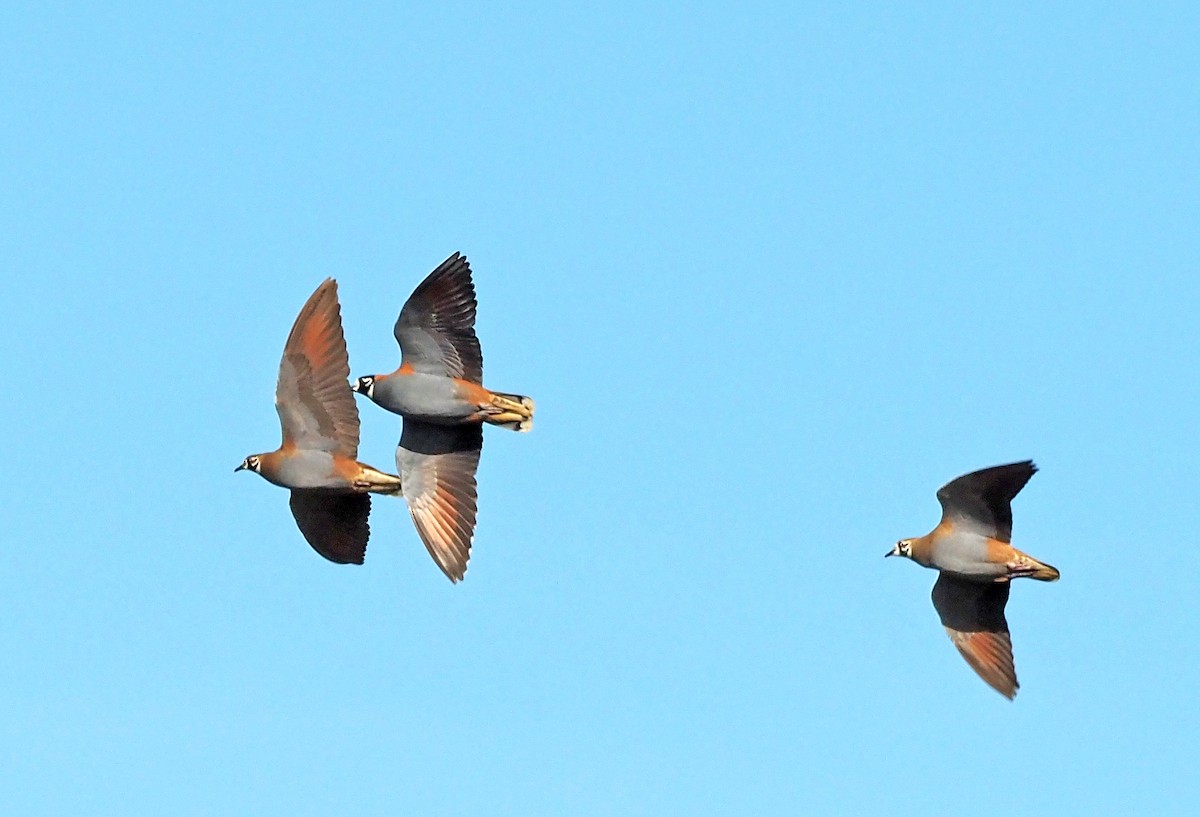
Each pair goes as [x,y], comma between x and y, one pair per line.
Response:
[772,276]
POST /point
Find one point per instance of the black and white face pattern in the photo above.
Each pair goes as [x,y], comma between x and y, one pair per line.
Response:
[903,548]
[251,463]
[366,385]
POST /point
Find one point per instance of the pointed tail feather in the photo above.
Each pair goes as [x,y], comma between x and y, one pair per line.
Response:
[511,411]
[377,482]
[1026,565]
[1044,572]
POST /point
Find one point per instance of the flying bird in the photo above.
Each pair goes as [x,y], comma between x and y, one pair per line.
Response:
[971,550]
[317,459]
[439,392]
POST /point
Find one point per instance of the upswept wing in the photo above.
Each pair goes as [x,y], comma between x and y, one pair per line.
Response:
[982,500]
[436,327]
[316,407]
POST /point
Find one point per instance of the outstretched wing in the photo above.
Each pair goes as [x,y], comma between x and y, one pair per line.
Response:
[437,465]
[316,407]
[334,524]
[973,615]
[436,327]
[982,500]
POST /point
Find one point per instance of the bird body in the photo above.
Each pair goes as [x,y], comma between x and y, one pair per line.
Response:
[438,390]
[448,400]
[975,556]
[321,470]
[317,458]
[430,397]
[972,551]
[965,554]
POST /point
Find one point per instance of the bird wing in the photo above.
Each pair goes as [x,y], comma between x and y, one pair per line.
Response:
[316,407]
[982,500]
[334,524]
[436,327]
[973,615]
[437,466]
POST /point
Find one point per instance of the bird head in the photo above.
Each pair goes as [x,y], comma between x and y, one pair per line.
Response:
[902,548]
[251,463]
[365,385]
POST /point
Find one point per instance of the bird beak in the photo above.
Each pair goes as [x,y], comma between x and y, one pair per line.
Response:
[891,552]
[241,467]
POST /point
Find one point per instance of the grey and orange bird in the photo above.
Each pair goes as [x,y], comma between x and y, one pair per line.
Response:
[439,392]
[317,459]
[972,550]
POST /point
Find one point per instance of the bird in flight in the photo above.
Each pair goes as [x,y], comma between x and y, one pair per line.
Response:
[971,548]
[439,392]
[317,459]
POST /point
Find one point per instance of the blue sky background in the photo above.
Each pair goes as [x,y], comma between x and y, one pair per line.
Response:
[773,275]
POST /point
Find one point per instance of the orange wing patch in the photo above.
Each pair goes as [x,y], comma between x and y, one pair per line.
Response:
[990,655]
[317,368]
[445,522]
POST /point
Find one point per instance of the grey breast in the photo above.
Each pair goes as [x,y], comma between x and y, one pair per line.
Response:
[965,552]
[422,396]
[309,469]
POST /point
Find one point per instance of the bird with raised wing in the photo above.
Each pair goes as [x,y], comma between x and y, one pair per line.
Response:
[439,392]
[971,547]
[317,459]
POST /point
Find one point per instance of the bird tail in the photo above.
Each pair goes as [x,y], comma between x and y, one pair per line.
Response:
[512,411]
[1042,571]
[377,482]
